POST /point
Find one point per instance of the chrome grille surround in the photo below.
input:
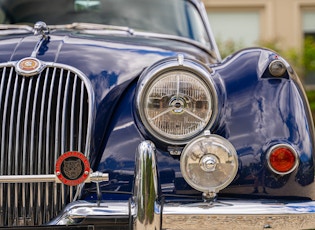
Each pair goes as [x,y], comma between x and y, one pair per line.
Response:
[41,117]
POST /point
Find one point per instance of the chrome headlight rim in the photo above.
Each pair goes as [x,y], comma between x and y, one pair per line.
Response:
[170,65]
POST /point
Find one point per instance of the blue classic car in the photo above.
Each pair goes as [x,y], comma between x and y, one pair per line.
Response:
[122,115]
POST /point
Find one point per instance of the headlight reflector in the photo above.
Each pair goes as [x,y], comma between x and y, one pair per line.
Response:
[176,103]
[209,163]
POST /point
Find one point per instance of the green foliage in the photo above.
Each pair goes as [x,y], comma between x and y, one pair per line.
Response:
[311,98]
[308,58]
[228,47]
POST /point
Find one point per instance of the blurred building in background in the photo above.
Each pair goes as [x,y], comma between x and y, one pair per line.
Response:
[250,22]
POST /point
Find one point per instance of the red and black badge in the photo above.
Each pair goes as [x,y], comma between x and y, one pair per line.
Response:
[72,168]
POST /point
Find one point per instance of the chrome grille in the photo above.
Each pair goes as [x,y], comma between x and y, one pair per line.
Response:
[41,117]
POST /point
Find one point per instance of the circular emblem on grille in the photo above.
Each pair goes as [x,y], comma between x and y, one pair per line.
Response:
[72,168]
[29,66]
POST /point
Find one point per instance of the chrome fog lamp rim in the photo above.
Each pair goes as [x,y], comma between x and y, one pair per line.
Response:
[209,163]
[175,106]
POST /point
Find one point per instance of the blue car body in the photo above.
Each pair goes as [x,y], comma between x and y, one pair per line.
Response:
[254,111]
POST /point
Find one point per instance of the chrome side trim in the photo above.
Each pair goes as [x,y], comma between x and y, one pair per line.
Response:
[11,179]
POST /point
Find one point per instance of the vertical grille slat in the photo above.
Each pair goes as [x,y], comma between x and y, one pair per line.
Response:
[26,166]
[63,125]
[41,117]
[1,148]
[18,187]
[81,116]
[72,116]
[49,208]
[18,148]
[64,114]
[33,145]
[5,146]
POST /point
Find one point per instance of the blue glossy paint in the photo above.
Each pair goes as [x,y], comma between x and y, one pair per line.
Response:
[256,110]
[110,62]
[259,112]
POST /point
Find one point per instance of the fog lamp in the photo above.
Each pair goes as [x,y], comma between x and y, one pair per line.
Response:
[209,163]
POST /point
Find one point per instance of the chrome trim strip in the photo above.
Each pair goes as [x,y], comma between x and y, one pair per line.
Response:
[27,178]
[200,5]
[15,179]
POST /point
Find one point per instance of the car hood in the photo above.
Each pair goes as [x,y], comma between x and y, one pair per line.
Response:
[107,60]
[111,62]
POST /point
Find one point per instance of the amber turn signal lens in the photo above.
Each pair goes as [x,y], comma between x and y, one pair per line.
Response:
[282,159]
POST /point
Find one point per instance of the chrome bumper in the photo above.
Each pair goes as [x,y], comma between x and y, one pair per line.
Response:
[145,211]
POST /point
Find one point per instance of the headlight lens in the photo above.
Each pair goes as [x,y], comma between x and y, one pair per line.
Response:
[176,104]
[209,163]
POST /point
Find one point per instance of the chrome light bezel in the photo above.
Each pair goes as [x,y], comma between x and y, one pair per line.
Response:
[193,67]
[210,155]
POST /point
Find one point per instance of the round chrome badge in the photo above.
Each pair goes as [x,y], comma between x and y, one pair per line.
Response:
[72,168]
[29,66]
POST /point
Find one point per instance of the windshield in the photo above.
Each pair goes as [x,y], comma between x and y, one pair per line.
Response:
[173,17]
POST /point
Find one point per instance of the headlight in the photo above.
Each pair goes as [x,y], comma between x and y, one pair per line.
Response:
[209,163]
[176,100]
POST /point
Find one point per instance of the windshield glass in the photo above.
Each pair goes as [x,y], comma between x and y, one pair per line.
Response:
[173,17]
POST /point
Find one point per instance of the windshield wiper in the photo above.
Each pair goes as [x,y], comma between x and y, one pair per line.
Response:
[92,26]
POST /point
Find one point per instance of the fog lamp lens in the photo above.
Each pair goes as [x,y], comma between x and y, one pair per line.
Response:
[209,163]
[282,159]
